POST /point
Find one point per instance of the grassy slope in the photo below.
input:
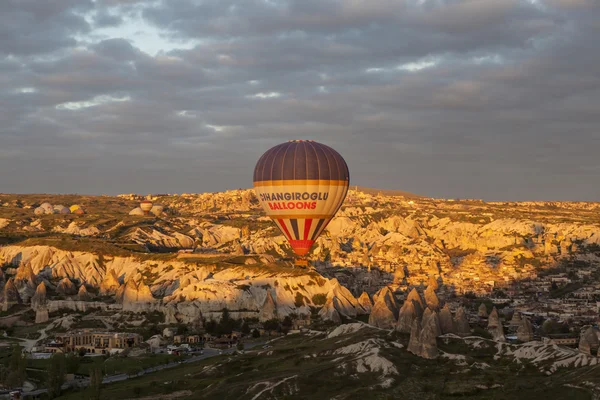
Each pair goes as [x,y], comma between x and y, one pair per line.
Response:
[322,377]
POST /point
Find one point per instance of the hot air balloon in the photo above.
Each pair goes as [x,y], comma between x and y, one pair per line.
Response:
[301,184]
[146,206]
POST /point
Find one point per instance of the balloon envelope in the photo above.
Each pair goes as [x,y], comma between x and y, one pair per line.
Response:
[146,206]
[301,185]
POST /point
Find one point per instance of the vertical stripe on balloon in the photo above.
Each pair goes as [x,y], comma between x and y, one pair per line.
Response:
[294,223]
[307,223]
[317,229]
[284,229]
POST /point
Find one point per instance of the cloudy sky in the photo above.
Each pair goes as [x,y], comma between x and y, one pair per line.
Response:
[492,99]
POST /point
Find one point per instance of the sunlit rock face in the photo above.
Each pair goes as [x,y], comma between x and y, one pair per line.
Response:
[406,316]
[329,312]
[365,303]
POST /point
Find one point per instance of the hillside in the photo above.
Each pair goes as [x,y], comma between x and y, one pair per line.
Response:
[357,361]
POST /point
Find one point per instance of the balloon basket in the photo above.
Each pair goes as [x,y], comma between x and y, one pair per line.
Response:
[301,262]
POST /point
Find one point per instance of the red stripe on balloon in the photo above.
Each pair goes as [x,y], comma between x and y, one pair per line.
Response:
[285,229]
[307,223]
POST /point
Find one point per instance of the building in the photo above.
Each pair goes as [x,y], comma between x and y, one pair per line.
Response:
[565,339]
[95,342]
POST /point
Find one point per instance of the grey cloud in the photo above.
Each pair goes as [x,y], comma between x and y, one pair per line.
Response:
[506,110]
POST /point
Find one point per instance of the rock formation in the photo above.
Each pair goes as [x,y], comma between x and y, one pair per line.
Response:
[385,294]
[110,284]
[329,312]
[41,315]
[134,295]
[11,295]
[493,319]
[383,313]
[590,335]
[428,340]
[431,317]
[525,330]
[446,322]
[461,323]
[584,346]
[516,319]
[39,298]
[346,303]
[423,335]
[406,316]
[414,343]
[433,283]
[414,295]
[269,308]
[431,298]
[83,294]
[365,302]
[495,326]
[66,287]
[482,311]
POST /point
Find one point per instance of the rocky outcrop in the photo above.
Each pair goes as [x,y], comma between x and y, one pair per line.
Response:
[431,317]
[66,287]
[516,319]
[482,311]
[83,294]
[493,319]
[385,294]
[428,340]
[406,316]
[346,303]
[433,283]
[525,330]
[134,296]
[383,314]
[431,298]
[423,335]
[446,322]
[269,308]
[41,315]
[365,303]
[414,343]
[461,322]
[590,336]
[110,284]
[329,312]
[10,295]
[495,326]
[414,295]
[585,346]
[497,333]
[25,274]
[39,298]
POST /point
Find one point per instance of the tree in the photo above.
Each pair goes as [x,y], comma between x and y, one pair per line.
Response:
[210,326]
[239,346]
[226,325]
[271,325]
[56,374]
[71,363]
[245,328]
[255,333]
[95,384]
[17,365]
